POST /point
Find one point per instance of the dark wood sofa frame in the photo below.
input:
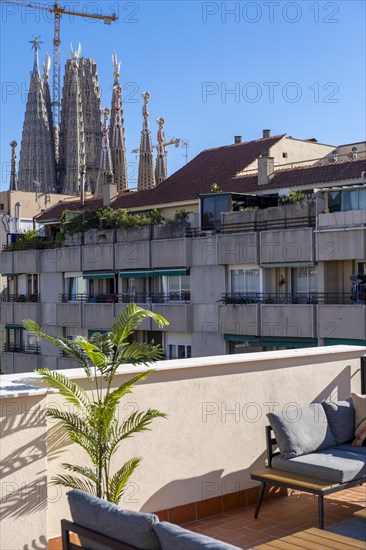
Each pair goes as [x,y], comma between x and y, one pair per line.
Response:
[279,478]
[68,527]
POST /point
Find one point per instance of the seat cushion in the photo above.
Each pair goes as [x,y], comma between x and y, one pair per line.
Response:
[134,528]
[301,430]
[339,465]
[173,537]
[341,418]
[359,402]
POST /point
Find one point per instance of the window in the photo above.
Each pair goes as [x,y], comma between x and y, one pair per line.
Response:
[345,201]
[75,286]
[245,281]
[32,284]
[177,287]
[284,155]
[305,281]
[179,351]
[211,209]
[335,201]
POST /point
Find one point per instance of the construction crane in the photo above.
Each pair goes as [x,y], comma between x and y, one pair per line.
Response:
[58,11]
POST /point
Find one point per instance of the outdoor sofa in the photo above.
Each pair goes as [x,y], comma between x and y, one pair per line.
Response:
[321,449]
[101,525]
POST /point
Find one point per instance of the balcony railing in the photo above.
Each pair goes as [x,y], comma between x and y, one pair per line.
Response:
[255,225]
[127,298]
[21,298]
[238,298]
[31,350]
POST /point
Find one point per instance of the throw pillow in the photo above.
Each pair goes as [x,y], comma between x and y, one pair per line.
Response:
[301,430]
[341,418]
[359,402]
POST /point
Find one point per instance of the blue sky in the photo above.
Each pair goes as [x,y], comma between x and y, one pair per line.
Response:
[214,69]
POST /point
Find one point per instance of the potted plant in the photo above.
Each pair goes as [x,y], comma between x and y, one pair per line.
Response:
[94,425]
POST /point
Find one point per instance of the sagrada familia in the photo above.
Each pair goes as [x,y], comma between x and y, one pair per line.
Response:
[89,148]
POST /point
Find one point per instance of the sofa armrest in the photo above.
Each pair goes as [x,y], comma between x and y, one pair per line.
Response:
[271,443]
[68,527]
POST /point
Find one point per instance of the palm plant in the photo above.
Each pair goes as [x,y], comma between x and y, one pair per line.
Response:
[94,424]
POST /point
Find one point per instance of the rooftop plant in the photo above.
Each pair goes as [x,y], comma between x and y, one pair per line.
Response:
[94,424]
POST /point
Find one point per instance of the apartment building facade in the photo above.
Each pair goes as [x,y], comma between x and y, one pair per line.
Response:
[236,278]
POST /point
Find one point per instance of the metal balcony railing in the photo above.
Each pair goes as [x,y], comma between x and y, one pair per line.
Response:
[127,298]
[31,350]
[330,298]
[254,225]
[21,298]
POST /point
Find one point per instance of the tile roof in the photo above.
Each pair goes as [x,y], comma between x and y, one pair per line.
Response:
[222,166]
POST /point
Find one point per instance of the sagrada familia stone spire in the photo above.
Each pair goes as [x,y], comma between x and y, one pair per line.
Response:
[37,167]
[161,170]
[146,177]
[81,125]
[13,173]
[82,154]
[105,166]
[117,132]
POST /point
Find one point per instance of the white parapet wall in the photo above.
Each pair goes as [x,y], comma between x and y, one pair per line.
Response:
[213,437]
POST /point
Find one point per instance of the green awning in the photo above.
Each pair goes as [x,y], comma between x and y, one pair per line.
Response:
[239,338]
[343,341]
[287,264]
[137,274]
[171,272]
[287,342]
[99,275]
[14,327]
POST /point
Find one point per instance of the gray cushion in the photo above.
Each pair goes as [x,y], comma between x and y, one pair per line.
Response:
[173,537]
[134,528]
[301,430]
[339,465]
[341,418]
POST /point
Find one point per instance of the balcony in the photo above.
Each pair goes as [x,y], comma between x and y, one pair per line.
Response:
[238,298]
[218,407]
[21,298]
[127,298]
[32,350]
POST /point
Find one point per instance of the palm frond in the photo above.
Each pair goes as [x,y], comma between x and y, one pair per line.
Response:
[82,470]
[126,387]
[118,482]
[74,483]
[94,354]
[135,423]
[130,319]
[71,391]
[66,346]
[73,422]
[140,353]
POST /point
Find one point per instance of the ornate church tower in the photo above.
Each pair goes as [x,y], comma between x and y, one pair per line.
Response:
[72,132]
[37,165]
[117,132]
[161,170]
[47,96]
[146,178]
[13,173]
[105,167]
[89,110]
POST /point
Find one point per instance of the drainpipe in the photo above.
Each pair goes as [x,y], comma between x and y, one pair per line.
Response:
[17,216]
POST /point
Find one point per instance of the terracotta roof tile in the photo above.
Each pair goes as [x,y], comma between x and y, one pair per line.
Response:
[222,166]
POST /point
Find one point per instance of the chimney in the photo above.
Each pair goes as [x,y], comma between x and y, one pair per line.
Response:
[109,191]
[265,167]
[266,133]
[238,139]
